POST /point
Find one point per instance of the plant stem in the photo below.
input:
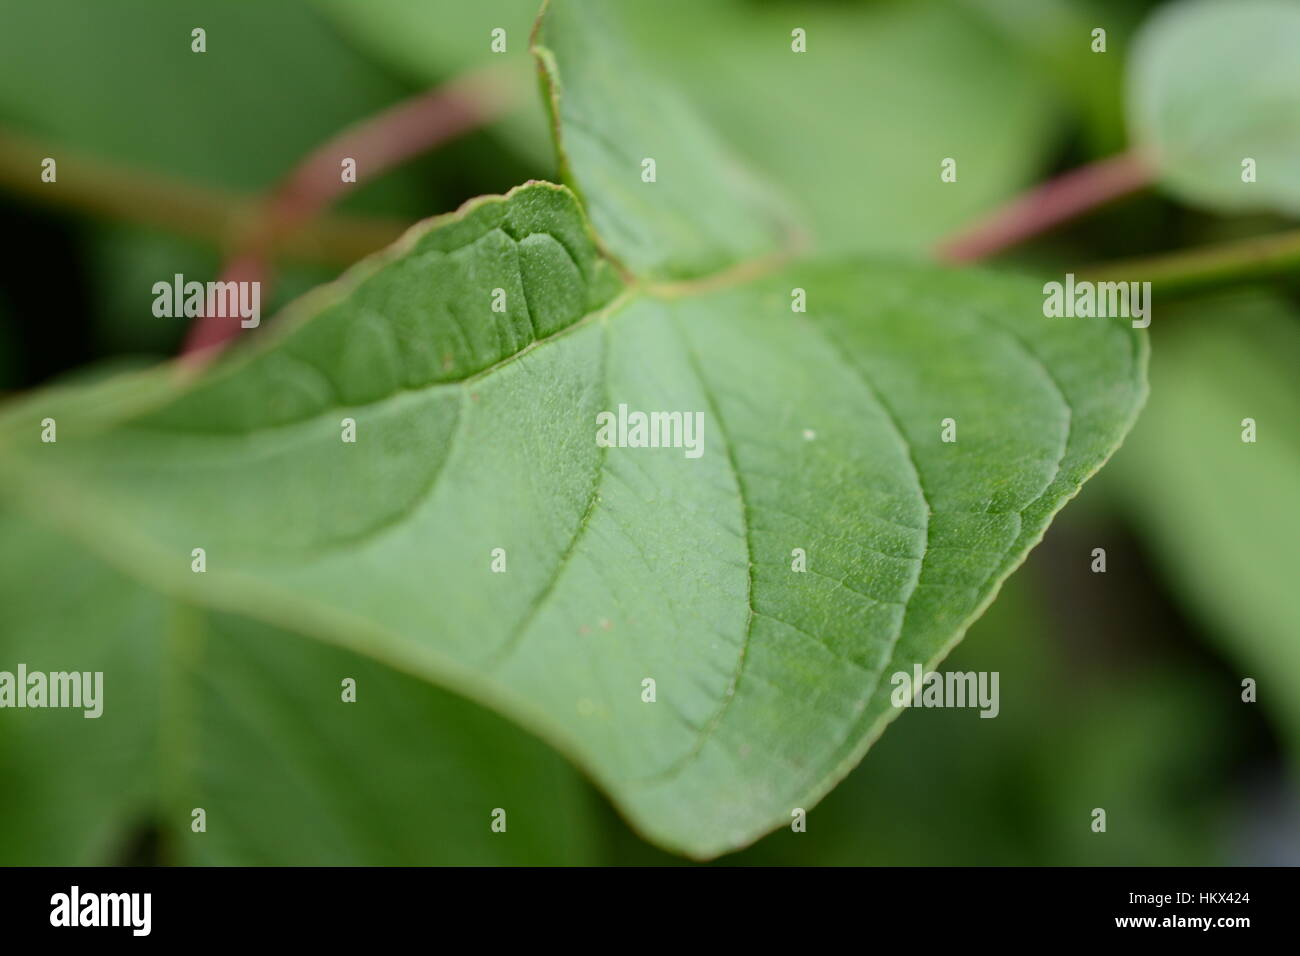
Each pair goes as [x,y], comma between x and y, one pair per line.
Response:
[387,139]
[1213,267]
[178,206]
[375,145]
[1047,206]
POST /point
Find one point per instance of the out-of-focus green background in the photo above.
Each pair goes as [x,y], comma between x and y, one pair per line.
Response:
[1119,690]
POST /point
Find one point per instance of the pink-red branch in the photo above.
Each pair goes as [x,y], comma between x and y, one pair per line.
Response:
[376,144]
[1048,206]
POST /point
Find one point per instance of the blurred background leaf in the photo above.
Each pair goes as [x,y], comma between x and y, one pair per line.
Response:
[1222,514]
[1212,83]
[853,129]
[75,787]
[120,80]
[247,722]
[408,774]
[276,81]
[432,41]
[799,118]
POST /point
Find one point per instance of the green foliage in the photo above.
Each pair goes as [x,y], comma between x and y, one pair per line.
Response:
[799,120]
[777,175]
[476,432]
[620,131]
[853,131]
[1220,510]
[433,41]
[1213,83]
[248,723]
[197,116]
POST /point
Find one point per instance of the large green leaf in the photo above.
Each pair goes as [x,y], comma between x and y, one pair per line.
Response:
[476,431]
[1213,83]
[248,723]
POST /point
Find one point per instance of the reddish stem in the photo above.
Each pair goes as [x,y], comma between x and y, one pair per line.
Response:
[377,144]
[210,332]
[1048,206]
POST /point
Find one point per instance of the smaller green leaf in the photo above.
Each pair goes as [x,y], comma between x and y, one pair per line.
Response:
[1213,85]
[435,41]
[663,192]
[854,129]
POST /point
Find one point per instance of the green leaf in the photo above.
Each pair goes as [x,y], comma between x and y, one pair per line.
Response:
[71,787]
[1212,84]
[118,87]
[1106,728]
[477,443]
[121,82]
[1054,39]
[853,131]
[663,192]
[406,775]
[247,722]
[434,41]
[1221,510]
[476,431]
